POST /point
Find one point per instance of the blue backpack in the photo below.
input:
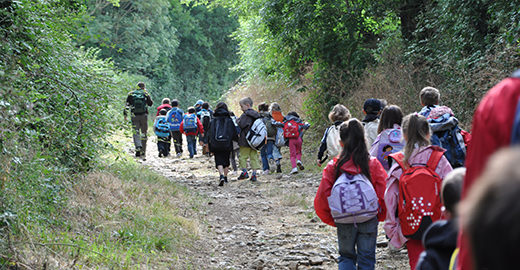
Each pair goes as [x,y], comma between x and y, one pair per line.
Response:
[161,127]
[446,134]
[190,123]
[175,117]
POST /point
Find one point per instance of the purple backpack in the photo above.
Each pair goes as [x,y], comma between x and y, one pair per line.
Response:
[353,199]
[390,141]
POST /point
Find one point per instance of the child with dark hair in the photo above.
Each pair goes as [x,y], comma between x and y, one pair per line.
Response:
[390,139]
[417,152]
[175,116]
[165,105]
[356,241]
[440,239]
[293,130]
[266,152]
[191,126]
[330,145]
[372,108]
[162,130]
[205,115]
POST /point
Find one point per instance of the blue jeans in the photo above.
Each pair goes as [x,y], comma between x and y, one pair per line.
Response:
[192,144]
[266,152]
[357,245]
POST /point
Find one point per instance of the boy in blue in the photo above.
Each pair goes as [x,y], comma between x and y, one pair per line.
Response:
[205,115]
[191,126]
[162,130]
[175,116]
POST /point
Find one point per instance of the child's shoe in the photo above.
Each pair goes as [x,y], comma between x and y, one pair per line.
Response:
[179,155]
[253,178]
[279,168]
[266,172]
[222,180]
[243,175]
[300,165]
[225,179]
[294,170]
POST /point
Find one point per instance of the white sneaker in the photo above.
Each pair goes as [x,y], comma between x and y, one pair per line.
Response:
[294,171]
[300,165]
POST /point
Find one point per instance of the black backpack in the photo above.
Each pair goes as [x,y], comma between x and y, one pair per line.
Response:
[138,102]
[222,134]
[271,130]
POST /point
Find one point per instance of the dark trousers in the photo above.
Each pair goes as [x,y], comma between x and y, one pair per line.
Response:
[163,145]
[177,141]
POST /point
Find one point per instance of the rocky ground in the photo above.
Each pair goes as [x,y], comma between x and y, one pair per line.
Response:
[269,224]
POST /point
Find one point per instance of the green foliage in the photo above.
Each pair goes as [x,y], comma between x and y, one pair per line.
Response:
[185,52]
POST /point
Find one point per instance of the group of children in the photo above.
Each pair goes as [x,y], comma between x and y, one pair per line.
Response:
[400,170]
[215,132]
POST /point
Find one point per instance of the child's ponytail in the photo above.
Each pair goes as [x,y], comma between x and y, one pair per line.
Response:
[352,134]
[416,132]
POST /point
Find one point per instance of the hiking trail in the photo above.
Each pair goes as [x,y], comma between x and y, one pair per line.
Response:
[265,225]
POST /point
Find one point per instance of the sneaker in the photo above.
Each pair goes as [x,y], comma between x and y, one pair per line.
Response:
[266,172]
[253,178]
[160,154]
[243,175]
[225,179]
[300,165]
[279,168]
[179,155]
[271,162]
[294,171]
[221,183]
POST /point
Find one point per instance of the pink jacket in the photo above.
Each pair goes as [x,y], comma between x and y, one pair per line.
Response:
[392,226]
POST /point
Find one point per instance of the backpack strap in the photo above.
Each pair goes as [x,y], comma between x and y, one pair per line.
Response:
[434,159]
[515,132]
[399,158]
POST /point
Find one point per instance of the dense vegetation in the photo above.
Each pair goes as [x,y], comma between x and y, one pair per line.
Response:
[66,66]
[351,50]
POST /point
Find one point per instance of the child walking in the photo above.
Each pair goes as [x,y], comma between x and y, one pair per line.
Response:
[420,205]
[245,121]
[191,127]
[220,135]
[390,138]
[356,240]
[330,141]
[276,113]
[162,130]
[372,108]
[293,131]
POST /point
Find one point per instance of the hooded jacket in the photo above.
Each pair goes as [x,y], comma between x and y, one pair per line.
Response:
[439,241]
[377,175]
[219,115]
[245,121]
[392,226]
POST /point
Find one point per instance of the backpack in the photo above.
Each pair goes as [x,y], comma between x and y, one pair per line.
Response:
[279,140]
[161,127]
[353,199]
[271,130]
[221,139]
[138,102]
[333,146]
[190,123]
[419,195]
[291,129]
[257,134]
[175,117]
[447,135]
[205,118]
[390,141]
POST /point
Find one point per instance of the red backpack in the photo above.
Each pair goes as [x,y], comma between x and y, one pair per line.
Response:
[291,129]
[419,195]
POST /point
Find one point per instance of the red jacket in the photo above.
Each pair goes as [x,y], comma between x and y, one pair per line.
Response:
[200,128]
[163,106]
[492,127]
[377,173]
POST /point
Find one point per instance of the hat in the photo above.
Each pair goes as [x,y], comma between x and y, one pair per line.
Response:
[199,102]
[372,106]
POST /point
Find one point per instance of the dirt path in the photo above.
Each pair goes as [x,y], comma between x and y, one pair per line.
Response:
[265,225]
